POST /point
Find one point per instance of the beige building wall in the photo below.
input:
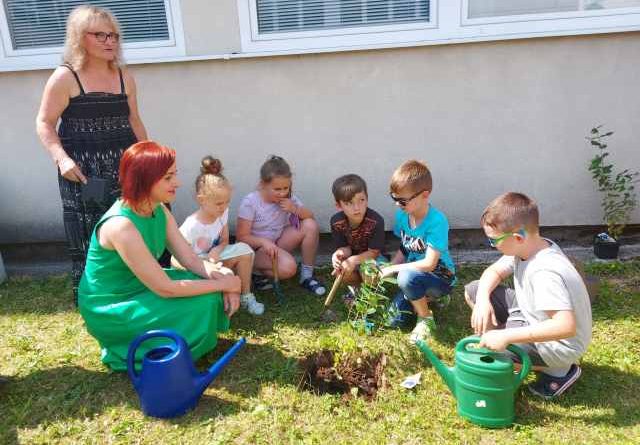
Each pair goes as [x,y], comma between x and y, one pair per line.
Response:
[488,117]
[218,33]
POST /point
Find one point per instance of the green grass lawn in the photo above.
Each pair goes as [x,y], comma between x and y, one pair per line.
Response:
[60,392]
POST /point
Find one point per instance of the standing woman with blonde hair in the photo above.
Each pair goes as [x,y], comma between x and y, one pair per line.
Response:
[94,99]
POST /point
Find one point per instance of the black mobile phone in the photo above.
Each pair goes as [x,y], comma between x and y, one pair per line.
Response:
[95,190]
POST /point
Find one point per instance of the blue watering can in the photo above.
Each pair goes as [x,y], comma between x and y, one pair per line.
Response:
[169,384]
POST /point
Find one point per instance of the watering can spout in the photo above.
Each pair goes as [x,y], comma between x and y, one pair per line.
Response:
[445,372]
[207,377]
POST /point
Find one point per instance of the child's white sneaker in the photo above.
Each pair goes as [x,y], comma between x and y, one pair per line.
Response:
[248,301]
[425,327]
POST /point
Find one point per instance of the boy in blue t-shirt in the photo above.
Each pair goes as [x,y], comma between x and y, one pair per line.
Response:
[425,270]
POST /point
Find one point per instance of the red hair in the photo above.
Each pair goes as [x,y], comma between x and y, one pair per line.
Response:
[142,165]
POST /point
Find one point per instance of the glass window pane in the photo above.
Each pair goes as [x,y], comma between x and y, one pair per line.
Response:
[496,8]
[41,23]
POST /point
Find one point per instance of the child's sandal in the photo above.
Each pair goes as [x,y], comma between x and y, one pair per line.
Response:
[314,286]
[261,282]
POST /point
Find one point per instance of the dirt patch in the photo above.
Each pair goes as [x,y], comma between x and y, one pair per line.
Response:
[357,375]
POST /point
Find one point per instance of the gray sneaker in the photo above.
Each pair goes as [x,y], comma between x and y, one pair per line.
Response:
[424,329]
[249,302]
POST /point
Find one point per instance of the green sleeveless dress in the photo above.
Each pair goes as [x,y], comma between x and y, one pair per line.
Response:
[117,307]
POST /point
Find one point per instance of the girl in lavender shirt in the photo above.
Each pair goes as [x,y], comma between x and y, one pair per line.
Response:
[274,223]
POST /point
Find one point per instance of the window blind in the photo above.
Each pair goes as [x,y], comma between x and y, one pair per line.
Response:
[41,23]
[302,15]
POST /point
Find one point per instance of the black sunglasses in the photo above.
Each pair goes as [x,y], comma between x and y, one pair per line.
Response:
[404,201]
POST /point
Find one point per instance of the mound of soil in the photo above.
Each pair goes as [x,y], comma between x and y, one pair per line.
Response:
[351,376]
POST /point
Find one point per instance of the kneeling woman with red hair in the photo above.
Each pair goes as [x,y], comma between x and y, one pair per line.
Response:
[124,292]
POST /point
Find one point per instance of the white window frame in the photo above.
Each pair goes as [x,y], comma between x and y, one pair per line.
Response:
[557,23]
[448,24]
[252,41]
[338,32]
[38,58]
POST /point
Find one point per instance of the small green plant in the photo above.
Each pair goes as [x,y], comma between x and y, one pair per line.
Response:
[369,310]
[617,188]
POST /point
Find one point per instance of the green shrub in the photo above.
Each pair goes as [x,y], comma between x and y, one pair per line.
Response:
[618,188]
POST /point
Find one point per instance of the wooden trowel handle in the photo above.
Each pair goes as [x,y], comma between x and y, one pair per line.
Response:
[274,267]
[334,289]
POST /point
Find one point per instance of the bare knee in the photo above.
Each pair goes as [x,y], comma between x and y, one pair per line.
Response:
[468,299]
[353,279]
[470,291]
[244,248]
[287,267]
[310,226]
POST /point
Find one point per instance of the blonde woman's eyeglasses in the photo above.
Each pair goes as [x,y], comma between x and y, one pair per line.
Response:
[103,36]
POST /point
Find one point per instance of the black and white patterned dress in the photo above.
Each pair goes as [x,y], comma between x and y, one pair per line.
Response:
[94,131]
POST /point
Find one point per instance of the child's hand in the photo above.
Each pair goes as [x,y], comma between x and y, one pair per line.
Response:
[387,271]
[214,254]
[495,340]
[483,316]
[288,206]
[336,260]
[349,265]
[270,248]
[225,271]
[212,269]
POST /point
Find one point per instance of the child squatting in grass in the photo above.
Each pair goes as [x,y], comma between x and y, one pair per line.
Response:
[357,231]
[425,270]
[547,313]
[207,230]
[275,222]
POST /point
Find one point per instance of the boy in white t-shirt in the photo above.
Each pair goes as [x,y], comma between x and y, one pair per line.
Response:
[548,313]
[207,230]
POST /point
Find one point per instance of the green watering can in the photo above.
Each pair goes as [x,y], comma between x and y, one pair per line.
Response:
[482,381]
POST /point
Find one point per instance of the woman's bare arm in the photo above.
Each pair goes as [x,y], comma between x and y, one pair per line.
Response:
[134,116]
[55,99]
[120,234]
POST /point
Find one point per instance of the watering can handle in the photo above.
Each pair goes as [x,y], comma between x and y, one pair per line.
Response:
[462,344]
[524,357]
[524,360]
[133,347]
